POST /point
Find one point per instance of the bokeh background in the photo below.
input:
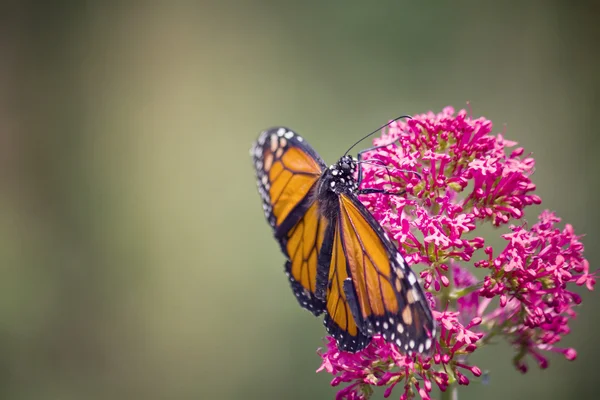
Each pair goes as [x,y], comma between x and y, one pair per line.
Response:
[134,255]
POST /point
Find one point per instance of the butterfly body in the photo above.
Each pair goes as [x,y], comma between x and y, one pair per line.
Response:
[336,180]
[340,261]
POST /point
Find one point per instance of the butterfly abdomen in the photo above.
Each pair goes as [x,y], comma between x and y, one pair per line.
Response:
[326,199]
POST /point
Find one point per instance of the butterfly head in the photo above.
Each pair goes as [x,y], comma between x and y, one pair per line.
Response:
[341,176]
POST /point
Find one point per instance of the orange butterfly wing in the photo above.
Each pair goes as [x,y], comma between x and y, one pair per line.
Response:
[390,300]
[341,297]
[287,169]
[370,287]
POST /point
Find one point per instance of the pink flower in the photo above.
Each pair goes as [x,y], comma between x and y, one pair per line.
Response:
[458,177]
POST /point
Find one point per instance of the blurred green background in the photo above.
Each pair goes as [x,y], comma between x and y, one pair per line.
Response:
[136,262]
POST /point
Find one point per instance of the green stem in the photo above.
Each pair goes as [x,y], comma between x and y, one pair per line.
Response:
[451,393]
[465,291]
[449,302]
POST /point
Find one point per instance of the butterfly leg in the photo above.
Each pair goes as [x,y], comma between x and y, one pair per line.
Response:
[372,162]
[380,191]
[360,159]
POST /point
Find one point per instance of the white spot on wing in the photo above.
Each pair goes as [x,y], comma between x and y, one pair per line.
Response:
[415,294]
[399,259]
[411,278]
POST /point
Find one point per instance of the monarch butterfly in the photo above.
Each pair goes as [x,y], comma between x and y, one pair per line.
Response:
[339,261]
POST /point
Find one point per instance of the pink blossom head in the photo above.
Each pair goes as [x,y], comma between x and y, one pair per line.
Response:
[458,177]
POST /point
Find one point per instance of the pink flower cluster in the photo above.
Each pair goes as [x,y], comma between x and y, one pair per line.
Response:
[457,177]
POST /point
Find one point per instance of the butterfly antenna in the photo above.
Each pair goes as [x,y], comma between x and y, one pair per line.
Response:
[375,131]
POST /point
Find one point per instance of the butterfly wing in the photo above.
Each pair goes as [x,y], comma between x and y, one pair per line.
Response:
[370,288]
[287,169]
[341,305]
[390,301]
